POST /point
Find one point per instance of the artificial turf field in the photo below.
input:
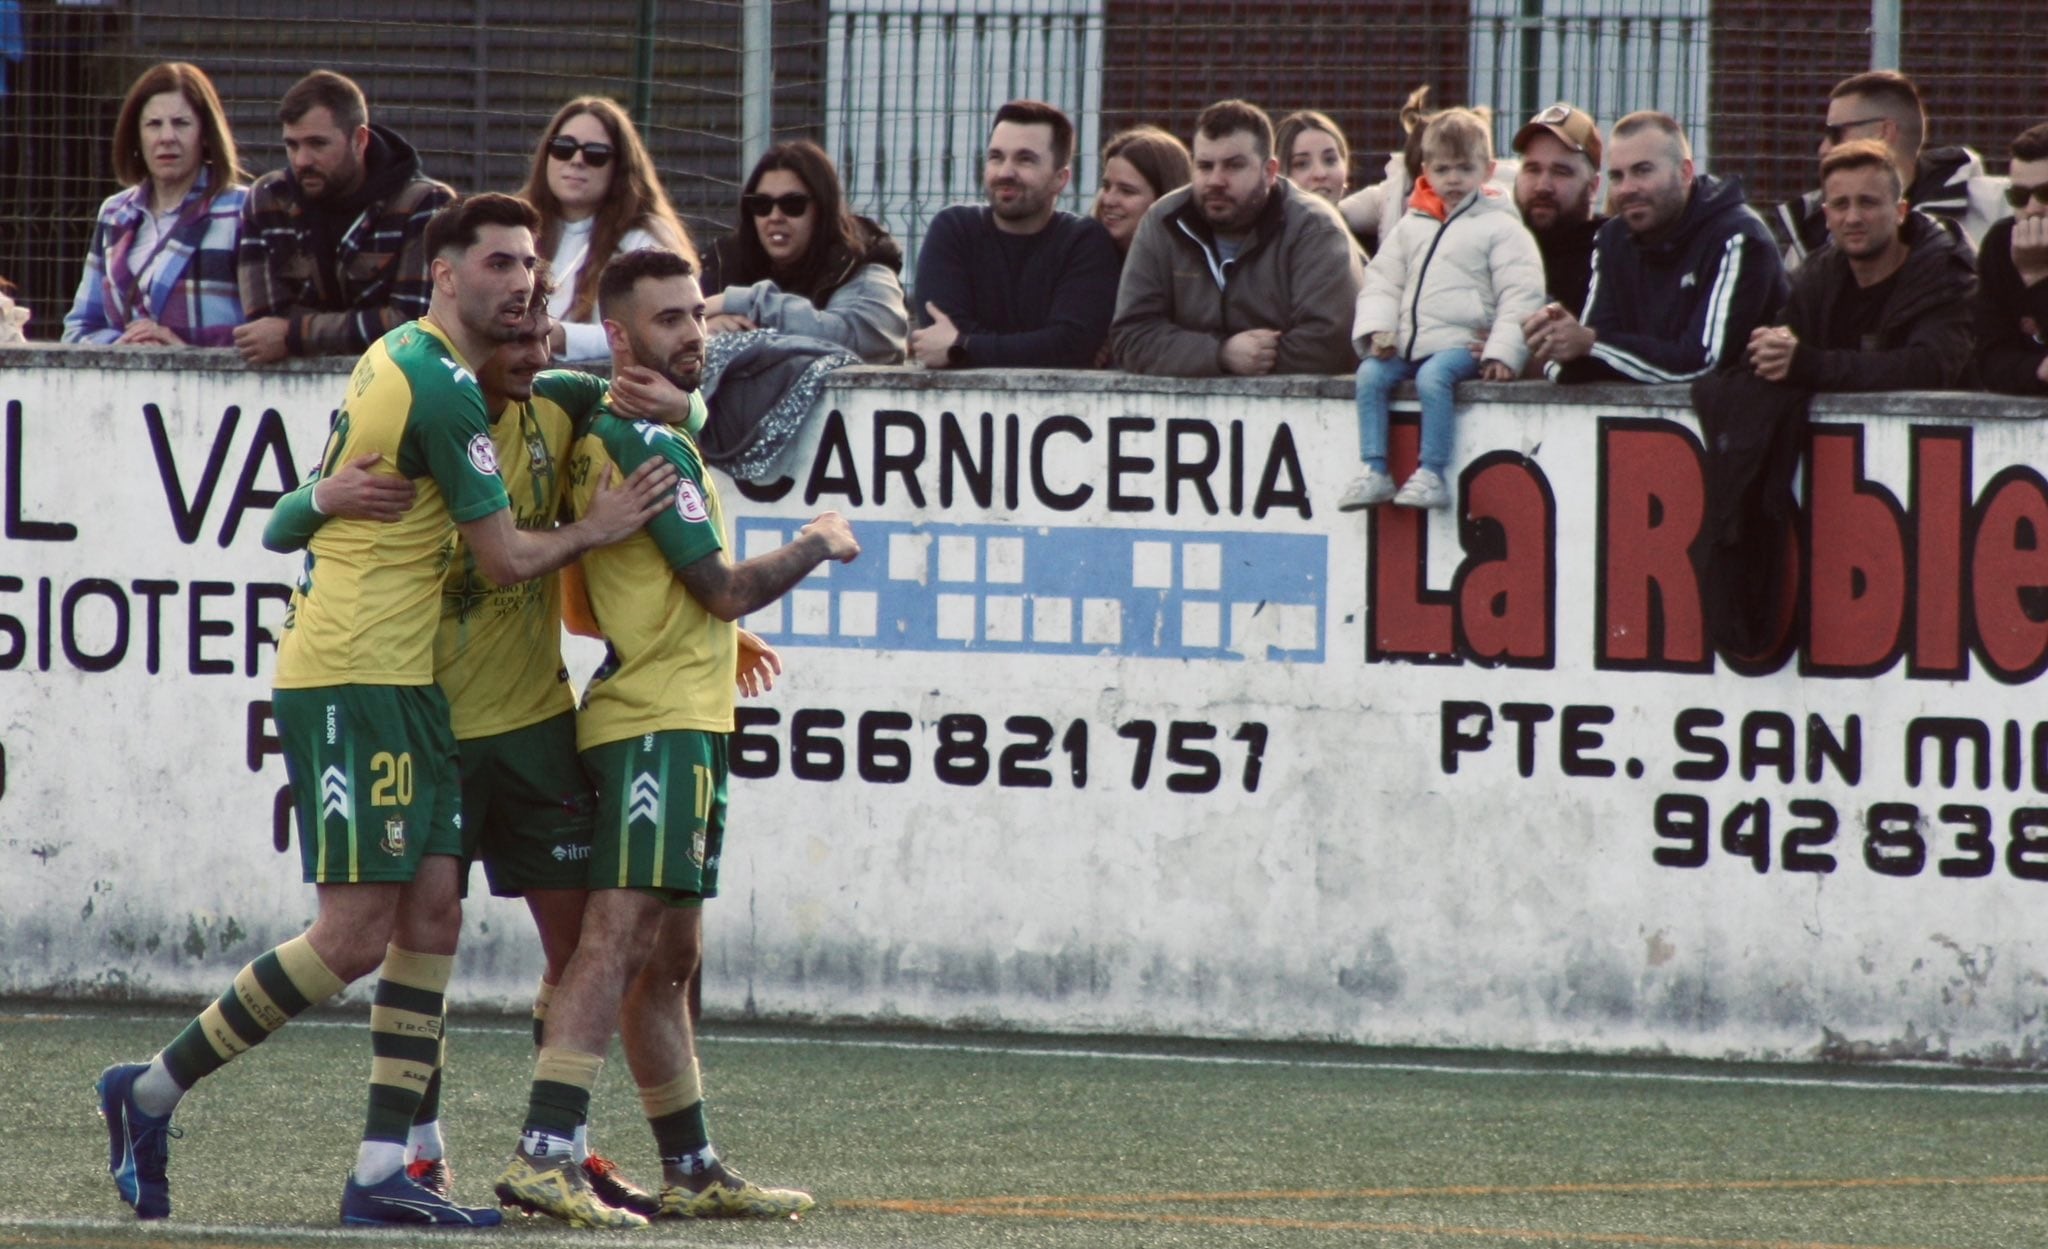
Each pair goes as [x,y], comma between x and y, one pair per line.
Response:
[923,1139]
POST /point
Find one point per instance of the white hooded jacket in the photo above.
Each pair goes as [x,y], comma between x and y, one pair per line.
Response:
[1443,284]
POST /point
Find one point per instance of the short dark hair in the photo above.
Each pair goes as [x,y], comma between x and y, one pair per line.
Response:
[1865,154]
[1663,123]
[323,88]
[2032,143]
[1228,117]
[627,269]
[1893,92]
[1039,113]
[455,226]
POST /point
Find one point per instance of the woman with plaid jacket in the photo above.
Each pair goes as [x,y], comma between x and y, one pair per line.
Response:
[162,265]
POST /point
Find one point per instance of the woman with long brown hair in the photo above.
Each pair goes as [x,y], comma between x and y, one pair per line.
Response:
[1138,166]
[803,263]
[598,195]
[161,269]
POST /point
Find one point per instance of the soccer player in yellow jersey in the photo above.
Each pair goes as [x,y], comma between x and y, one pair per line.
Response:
[653,730]
[527,806]
[365,732]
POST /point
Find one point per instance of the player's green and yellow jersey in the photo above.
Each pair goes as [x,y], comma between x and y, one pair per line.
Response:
[366,606]
[498,655]
[670,664]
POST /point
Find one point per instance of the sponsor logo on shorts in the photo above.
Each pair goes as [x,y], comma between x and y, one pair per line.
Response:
[482,457]
[333,792]
[570,854]
[332,731]
[690,504]
[643,801]
[394,836]
[697,847]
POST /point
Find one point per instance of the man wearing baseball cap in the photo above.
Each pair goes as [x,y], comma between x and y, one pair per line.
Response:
[1554,188]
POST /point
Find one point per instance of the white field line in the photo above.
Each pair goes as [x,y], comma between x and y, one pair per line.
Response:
[1846,1084]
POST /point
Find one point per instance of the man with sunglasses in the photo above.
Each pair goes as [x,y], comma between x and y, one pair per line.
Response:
[2011,308]
[1886,106]
[333,252]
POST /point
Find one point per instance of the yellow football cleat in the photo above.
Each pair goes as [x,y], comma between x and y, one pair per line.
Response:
[557,1187]
[730,1195]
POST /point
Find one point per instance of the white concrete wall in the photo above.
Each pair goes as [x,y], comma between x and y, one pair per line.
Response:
[1464,735]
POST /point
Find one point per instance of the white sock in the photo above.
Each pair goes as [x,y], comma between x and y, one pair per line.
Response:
[424,1142]
[378,1161]
[156,1094]
[579,1145]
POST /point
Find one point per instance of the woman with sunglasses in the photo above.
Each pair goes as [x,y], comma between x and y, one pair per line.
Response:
[598,196]
[161,270]
[803,263]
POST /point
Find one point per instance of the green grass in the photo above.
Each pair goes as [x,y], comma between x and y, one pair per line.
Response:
[977,1140]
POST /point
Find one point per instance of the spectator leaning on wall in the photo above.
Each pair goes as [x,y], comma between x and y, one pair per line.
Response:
[161,268]
[1240,271]
[1017,283]
[2012,302]
[332,250]
[1681,274]
[1884,306]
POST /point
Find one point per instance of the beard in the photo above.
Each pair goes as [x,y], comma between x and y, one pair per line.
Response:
[1234,216]
[683,369]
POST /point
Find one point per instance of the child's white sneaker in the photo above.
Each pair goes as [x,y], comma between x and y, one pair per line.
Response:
[1374,487]
[1422,489]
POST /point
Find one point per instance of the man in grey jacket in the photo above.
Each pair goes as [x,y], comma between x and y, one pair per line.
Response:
[1237,272]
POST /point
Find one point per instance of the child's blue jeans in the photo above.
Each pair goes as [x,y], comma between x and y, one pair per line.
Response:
[1434,378]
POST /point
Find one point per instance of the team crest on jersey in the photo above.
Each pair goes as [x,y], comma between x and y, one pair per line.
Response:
[690,504]
[481,457]
[394,836]
[537,450]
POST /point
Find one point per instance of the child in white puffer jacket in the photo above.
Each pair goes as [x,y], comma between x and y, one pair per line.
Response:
[1444,301]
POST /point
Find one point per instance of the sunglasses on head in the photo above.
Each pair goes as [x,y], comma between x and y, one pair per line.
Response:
[792,204]
[2018,196]
[595,155]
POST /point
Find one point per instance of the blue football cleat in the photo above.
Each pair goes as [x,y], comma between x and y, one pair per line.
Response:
[138,1145]
[399,1199]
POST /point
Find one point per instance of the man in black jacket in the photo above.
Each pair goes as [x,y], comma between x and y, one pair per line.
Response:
[1884,306]
[1681,274]
[2012,300]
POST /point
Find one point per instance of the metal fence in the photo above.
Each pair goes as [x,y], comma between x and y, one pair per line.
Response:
[900,91]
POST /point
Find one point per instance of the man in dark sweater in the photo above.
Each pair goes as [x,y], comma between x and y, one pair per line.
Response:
[1554,188]
[333,252]
[1017,283]
[2011,309]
